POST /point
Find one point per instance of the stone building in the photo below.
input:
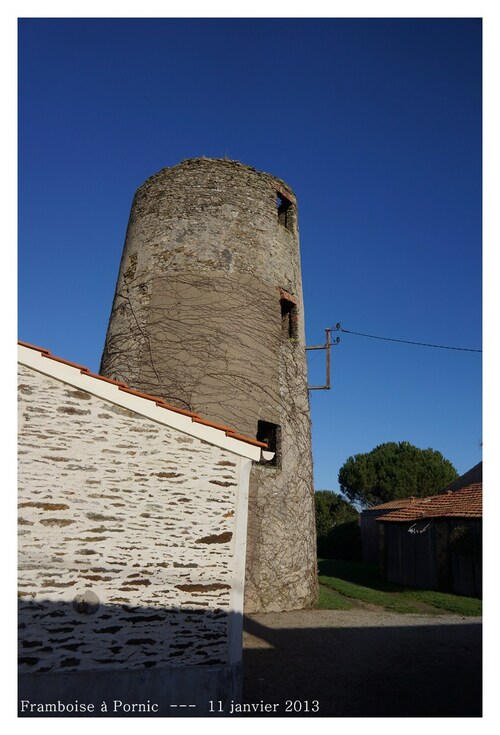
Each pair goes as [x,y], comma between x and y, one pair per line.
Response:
[132,536]
[208,314]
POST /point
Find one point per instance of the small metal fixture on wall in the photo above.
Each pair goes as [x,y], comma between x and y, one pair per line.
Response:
[327,346]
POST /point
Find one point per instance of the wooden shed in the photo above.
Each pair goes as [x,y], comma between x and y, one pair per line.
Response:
[370,528]
[435,542]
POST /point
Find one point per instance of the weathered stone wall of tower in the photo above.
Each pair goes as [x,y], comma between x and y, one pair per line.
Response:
[208,314]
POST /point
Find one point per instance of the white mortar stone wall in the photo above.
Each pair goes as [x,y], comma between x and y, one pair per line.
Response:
[140,514]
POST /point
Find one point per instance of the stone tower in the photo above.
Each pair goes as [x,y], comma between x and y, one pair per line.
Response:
[208,315]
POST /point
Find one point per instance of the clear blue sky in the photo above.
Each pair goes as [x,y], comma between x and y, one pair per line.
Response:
[375,124]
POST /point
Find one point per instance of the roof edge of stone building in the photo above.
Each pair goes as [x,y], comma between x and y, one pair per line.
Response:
[280,184]
[42,360]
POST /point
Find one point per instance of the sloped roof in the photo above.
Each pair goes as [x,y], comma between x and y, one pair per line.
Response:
[473,475]
[464,503]
[394,504]
[153,407]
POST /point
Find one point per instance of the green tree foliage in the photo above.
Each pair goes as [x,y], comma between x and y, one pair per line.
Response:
[337,528]
[394,470]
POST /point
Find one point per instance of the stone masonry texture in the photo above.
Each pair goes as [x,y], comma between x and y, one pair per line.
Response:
[126,537]
[208,315]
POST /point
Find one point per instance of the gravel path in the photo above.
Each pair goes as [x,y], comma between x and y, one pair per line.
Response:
[362,663]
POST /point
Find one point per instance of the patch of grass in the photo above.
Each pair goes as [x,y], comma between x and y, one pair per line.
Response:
[331,600]
[361,581]
[368,595]
[469,606]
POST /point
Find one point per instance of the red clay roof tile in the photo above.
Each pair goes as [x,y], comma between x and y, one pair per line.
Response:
[81,368]
[101,377]
[257,443]
[199,420]
[161,404]
[474,475]
[33,347]
[398,503]
[464,503]
[139,394]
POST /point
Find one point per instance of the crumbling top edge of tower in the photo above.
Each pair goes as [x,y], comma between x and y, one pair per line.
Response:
[281,186]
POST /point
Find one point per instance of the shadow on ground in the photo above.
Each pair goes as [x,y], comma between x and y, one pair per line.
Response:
[391,671]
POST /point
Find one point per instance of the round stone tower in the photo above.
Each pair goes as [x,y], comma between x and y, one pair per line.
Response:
[208,315]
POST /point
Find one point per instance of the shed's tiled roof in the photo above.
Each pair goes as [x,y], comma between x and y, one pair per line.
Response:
[471,477]
[464,503]
[394,504]
[232,433]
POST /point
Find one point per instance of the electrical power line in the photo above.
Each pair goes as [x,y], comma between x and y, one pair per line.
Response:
[405,341]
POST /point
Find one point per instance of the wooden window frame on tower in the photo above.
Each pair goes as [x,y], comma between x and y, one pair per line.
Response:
[289,314]
[270,434]
[284,207]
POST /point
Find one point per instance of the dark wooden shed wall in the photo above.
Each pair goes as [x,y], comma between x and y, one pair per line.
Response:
[420,554]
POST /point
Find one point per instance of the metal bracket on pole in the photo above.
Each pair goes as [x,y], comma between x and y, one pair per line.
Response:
[328,344]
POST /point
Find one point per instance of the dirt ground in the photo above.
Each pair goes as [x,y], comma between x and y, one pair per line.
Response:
[362,663]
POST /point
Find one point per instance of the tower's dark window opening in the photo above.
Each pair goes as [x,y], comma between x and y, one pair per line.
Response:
[289,318]
[271,435]
[284,206]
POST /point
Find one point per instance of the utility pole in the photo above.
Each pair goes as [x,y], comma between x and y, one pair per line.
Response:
[327,346]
